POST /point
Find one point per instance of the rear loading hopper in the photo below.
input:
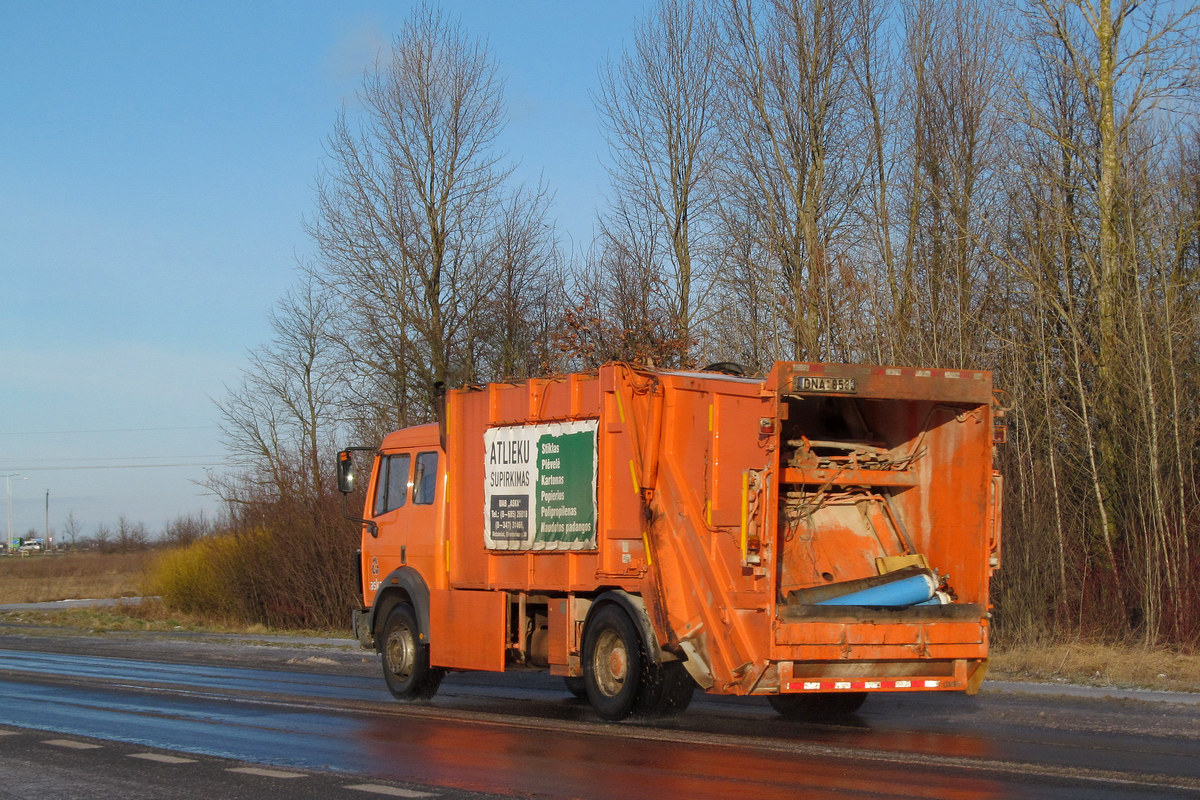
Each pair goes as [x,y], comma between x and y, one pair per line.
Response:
[867,532]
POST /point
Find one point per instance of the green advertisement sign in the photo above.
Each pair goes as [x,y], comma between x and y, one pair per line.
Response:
[540,486]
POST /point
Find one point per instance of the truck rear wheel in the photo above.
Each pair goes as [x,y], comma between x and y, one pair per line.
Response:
[613,663]
[667,691]
[406,657]
[817,706]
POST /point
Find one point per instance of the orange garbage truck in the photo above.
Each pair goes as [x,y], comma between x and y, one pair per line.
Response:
[812,536]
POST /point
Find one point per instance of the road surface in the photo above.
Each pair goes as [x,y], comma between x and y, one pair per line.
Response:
[133,715]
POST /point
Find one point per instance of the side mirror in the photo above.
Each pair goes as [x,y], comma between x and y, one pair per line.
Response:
[345,472]
[347,483]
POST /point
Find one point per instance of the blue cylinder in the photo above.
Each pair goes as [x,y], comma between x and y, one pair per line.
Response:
[938,599]
[903,592]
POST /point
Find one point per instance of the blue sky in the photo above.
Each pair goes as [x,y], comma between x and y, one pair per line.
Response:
[157,160]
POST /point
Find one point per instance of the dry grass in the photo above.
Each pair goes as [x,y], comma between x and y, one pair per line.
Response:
[1098,664]
[148,615]
[47,577]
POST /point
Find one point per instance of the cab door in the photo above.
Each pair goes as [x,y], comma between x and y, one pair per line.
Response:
[406,508]
[385,546]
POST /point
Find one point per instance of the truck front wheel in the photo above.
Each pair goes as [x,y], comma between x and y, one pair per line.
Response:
[613,663]
[406,657]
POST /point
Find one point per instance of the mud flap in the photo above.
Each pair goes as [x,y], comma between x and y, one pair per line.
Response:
[696,665]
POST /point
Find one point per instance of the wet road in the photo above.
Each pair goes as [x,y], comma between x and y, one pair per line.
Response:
[325,709]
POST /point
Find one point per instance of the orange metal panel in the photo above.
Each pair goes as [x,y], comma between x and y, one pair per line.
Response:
[887,383]
[900,633]
[467,629]
[871,652]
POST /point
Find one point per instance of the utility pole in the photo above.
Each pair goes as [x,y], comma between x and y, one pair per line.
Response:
[46,536]
[8,479]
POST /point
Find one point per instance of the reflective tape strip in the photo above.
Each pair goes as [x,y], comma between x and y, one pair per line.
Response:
[878,684]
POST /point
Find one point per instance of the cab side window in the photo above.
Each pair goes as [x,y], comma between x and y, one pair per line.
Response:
[392,490]
[425,479]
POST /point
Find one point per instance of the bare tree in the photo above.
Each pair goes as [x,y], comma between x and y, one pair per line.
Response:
[793,116]
[658,105]
[1101,78]
[408,207]
[749,331]
[618,310]
[280,422]
[186,529]
[942,285]
[103,538]
[130,536]
[525,298]
[72,528]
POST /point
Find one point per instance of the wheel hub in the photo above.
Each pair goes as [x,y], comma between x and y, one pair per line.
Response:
[399,653]
[617,664]
[611,663]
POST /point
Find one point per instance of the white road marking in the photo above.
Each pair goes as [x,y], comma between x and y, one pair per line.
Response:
[72,744]
[388,791]
[162,759]
[267,773]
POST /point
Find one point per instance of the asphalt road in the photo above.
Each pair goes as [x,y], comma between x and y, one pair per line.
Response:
[137,715]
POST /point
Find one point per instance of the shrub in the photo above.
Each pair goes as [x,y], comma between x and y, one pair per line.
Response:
[195,579]
[281,564]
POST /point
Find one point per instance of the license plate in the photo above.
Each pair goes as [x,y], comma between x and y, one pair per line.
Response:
[812,383]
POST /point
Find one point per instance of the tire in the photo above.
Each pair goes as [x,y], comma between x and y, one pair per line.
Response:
[668,692]
[614,661]
[577,687]
[405,657]
[829,705]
